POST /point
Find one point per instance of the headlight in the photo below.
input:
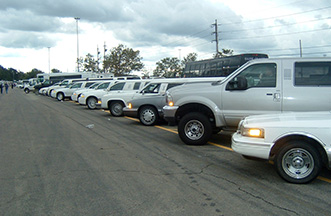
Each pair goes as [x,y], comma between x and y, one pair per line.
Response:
[252,132]
[169,100]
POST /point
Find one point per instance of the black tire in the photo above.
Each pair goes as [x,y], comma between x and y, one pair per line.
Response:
[298,162]
[195,129]
[26,91]
[148,116]
[60,96]
[116,108]
[91,103]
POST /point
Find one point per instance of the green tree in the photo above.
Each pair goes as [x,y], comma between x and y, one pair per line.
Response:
[190,57]
[90,64]
[168,67]
[122,61]
[33,73]
[224,53]
[54,70]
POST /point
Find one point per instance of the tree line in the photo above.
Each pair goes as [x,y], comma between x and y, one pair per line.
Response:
[11,74]
[120,61]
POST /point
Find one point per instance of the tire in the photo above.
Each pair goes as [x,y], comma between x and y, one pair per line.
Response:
[60,96]
[195,129]
[116,108]
[148,116]
[26,91]
[298,162]
[91,103]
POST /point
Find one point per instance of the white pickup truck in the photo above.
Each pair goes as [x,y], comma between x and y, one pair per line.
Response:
[260,86]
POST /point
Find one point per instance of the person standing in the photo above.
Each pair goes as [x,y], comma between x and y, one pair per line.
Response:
[1,86]
[6,87]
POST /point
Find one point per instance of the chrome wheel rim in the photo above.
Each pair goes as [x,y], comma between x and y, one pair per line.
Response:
[298,163]
[194,129]
[148,116]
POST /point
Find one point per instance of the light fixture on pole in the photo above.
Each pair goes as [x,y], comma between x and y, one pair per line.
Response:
[77,19]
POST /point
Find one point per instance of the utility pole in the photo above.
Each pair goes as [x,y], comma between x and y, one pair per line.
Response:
[300,48]
[98,58]
[215,25]
[104,56]
[77,19]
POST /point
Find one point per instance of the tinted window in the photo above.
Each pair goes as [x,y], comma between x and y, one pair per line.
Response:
[136,86]
[152,88]
[76,85]
[118,86]
[257,75]
[103,86]
[312,73]
[89,84]
[170,85]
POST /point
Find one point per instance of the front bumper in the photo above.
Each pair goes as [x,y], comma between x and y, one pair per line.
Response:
[133,112]
[81,100]
[169,113]
[254,147]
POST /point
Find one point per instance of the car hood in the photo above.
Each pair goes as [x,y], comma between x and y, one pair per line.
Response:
[293,119]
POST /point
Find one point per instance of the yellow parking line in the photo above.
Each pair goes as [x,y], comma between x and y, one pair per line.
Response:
[324,179]
[221,146]
[163,128]
[217,145]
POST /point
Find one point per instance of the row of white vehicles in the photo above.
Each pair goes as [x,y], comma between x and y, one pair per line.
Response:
[279,110]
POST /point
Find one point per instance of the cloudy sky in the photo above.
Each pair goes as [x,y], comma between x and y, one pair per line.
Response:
[42,33]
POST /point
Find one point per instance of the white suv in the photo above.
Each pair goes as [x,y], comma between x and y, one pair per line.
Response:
[119,94]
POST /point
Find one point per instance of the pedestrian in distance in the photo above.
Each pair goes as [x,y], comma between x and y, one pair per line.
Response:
[1,87]
[6,87]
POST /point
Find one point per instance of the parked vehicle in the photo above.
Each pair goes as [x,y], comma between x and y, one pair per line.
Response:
[118,95]
[63,84]
[63,93]
[261,86]
[298,143]
[30,86]
[77,93]
[218,67]
[90,97]
[148,103]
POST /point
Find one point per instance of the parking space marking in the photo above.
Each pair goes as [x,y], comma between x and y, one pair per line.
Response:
[217,145]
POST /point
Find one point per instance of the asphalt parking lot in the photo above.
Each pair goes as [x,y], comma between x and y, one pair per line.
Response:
[59,158]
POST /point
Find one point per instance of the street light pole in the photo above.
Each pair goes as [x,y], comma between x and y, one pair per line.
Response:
[49,59]
[77,19]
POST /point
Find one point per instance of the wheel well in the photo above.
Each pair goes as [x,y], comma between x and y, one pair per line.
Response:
[195,107]
[113,101]
[91,97]
[314,143]
[145,105]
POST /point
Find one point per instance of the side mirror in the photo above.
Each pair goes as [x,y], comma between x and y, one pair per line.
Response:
[238,83]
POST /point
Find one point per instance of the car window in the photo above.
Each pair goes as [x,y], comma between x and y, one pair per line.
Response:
[136,86]
[76,85]
[312,73]
[152,88]
[170,85]
[117,87]
[103,85]
[257,76]
[89,84]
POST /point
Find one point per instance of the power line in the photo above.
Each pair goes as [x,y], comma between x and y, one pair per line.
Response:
[290,33]
[275,17]
[276,26]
